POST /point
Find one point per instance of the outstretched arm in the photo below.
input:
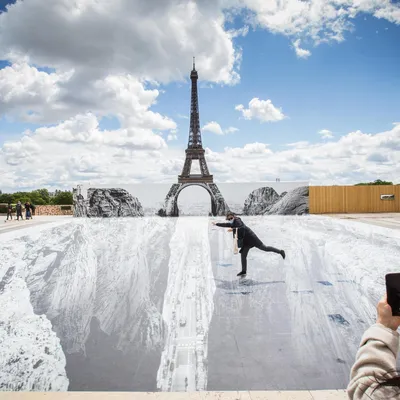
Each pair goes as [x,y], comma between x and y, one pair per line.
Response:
[223,224]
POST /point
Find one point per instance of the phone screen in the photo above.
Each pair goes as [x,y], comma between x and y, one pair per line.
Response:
[393,292]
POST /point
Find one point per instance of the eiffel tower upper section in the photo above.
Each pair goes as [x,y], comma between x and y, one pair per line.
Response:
[195,149]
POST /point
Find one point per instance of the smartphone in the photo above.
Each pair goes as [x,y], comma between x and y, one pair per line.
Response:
[393,292]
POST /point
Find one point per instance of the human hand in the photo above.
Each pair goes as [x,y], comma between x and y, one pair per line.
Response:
[230,230]
[213,223]
[385,316]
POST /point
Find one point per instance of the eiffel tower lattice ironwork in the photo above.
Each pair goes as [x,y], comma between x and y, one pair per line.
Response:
[194,151]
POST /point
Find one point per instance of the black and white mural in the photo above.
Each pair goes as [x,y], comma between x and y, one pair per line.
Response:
[154,304]
[258,198]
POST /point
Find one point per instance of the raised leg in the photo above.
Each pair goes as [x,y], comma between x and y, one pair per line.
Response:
[271,249]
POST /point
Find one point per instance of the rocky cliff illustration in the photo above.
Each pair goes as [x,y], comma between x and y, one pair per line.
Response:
[107,203]
[79,289]
[248,198]
[266,201]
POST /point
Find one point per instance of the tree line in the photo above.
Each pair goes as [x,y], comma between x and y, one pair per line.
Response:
[38,197]
[376,182]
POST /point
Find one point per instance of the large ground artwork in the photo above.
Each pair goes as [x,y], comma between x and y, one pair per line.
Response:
[146,304]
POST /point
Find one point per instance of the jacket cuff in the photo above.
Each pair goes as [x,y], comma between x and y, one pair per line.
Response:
[386,335]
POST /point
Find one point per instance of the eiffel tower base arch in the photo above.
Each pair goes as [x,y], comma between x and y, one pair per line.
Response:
[219,207]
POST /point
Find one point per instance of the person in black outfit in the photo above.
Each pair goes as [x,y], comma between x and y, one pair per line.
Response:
[19,210]
[9,211]
[28,208]
[247,239]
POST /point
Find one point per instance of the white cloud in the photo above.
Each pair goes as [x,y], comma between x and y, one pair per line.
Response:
[114,157]
[98,38]
[320,21]
[23,150]
[299,145]
[301,53]
[27,92]
[249,150]
[215,127]
[72,137]
[262,110]
[231,129]
[107,59]
[36,96]
[82,128]
[326,134]
[172,135]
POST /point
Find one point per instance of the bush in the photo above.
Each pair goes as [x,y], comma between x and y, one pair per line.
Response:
[4,207]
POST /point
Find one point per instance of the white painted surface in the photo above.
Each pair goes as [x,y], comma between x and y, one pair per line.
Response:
[363,253]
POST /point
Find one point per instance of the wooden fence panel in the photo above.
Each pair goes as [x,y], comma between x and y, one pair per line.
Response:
[353,199]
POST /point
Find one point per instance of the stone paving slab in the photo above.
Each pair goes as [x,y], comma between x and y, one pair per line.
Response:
[256,395]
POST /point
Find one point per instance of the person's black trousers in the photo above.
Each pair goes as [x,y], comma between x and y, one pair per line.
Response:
[245,250]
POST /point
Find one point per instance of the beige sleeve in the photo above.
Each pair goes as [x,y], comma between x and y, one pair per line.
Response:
[376,357]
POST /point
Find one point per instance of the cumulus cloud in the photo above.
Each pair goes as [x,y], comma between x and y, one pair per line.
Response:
[27,92]
[20,151]
[37,96]
[301,53]
[249,150]
[76,135]
[326,134]
[107,58]
[262,110]
[215,127]
[319,21]
[99,38]
[352,158]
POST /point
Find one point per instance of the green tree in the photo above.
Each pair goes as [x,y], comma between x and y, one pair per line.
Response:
[37,197]
[63,198]
[377,182]
[44,195]
[5,198]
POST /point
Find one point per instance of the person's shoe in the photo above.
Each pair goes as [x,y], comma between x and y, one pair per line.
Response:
[283,254]
[242,273]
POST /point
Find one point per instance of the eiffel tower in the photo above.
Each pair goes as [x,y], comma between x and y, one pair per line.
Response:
[194,151]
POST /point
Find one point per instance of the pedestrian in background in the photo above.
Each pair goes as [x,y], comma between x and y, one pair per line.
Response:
[19,210]
[9,211]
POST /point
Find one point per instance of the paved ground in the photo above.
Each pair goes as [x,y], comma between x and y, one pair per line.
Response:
[13,224]
[312,395]
[387,220]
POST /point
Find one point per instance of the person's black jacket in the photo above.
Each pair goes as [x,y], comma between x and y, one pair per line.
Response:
[18,207]
[249,238]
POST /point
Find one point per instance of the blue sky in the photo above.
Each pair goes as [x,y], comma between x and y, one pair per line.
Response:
[343,86]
